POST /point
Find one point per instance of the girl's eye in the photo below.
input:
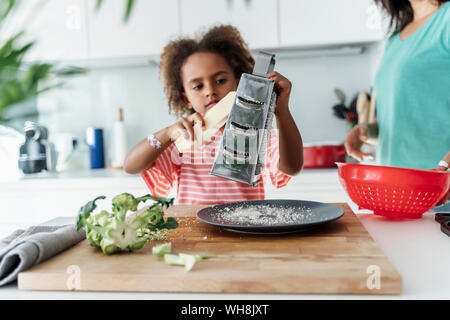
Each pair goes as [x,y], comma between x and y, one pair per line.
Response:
[220,81]
[198,87]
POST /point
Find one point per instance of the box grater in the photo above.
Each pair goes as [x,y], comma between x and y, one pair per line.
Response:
[241,154]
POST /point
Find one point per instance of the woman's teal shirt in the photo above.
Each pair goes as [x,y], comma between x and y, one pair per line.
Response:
[412,90]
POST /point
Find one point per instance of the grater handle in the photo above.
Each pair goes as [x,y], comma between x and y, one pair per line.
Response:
[264,64]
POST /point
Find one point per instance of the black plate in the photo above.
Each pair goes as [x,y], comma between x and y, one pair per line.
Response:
[281,216]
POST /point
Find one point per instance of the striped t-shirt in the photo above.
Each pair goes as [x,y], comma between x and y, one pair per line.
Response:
[190,172]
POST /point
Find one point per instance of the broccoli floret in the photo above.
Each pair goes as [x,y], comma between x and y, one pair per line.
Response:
[113,233]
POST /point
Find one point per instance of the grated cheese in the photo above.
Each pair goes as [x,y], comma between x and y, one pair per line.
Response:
[264,215]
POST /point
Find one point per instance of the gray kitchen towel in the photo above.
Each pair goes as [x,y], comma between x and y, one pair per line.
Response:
[24,249]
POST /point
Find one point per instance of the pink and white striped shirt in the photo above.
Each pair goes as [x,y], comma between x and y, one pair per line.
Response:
[195,185]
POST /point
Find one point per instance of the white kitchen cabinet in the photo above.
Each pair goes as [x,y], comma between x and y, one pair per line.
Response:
[255,19]
[310,23]
[151,25]
[57,26]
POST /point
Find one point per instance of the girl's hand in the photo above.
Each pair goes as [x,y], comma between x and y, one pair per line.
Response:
[185,127]
[283,86]
[355,139]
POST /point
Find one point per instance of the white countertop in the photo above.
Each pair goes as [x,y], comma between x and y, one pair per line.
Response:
[417,248]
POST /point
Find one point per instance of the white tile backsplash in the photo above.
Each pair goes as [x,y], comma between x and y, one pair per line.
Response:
[95,98]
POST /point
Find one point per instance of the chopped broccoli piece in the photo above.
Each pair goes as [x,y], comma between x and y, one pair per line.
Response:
[205,256]
[189,261]
[186,260]
[173,259]
[162,249]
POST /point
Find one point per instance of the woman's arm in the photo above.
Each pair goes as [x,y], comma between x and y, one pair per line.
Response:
[290,140]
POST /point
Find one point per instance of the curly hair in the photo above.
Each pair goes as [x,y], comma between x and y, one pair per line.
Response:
[224,40]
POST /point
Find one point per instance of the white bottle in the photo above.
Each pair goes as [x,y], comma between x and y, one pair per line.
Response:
[119,142]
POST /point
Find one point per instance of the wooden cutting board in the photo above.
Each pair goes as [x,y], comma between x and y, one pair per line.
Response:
[337,258]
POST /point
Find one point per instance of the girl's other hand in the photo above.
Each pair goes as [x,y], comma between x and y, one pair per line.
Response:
[186,127]
[283,86]
[355,139]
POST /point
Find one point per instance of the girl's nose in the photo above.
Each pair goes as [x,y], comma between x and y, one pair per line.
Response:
[210,89]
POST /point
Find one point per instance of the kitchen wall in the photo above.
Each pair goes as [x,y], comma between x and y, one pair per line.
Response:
[94,99]
[314,79]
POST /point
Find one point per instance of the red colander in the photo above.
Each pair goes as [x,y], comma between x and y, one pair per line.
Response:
[394,192]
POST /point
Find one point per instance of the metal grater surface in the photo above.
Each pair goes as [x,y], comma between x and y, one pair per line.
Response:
[242,151]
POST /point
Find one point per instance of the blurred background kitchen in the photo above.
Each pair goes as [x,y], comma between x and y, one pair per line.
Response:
[98,62]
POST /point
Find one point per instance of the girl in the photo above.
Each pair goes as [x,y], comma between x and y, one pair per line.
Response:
[197,74]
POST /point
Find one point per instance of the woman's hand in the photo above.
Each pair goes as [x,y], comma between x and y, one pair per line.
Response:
[185,127]
[444,163]
[283,86]
[355,139]
[443,166]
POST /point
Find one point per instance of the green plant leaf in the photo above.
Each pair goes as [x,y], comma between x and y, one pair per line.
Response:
[129,5]
[6,6]
[18,79]
[128,9]
[98,4]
